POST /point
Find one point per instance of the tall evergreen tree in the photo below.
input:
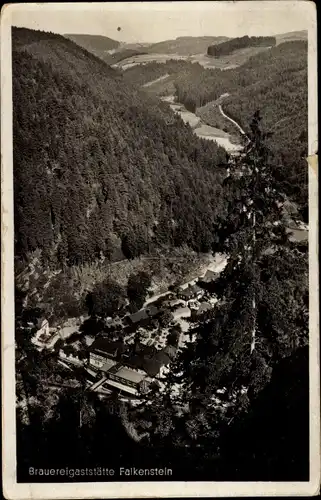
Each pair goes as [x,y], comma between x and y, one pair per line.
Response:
[261,315]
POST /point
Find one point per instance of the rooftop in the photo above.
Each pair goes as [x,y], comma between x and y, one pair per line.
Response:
[170,350]
[109,363]
[142,357]
[138,316]
[120,386]
[107,346]
[130,374]
[41,322]
[190,291]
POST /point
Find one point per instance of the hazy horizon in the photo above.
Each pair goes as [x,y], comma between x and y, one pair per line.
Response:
[178,37]
[158,41]
[152,22]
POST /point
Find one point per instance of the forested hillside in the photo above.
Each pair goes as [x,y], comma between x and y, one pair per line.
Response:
[185,45]
[148,72]
[110,51]
[248,362]
[229,46]
[98,165]
[94,43]
[275,82]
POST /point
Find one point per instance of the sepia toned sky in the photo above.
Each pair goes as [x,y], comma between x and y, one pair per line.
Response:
[156,21]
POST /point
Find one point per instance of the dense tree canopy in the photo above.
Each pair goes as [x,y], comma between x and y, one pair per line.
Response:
[106,299]
[260,320]
[137,288]
[96,162]
[274,81]
[224,48]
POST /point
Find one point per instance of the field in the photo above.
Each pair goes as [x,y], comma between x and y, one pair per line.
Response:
[230,61]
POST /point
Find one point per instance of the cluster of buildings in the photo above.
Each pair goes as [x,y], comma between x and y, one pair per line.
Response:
[127,369]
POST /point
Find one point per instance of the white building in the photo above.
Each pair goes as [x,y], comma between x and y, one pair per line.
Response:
[44,338]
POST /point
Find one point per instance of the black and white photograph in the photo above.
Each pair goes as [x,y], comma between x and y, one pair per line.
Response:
[159,234]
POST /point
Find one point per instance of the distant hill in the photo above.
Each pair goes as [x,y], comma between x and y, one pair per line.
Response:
[120,54]
[99,166]
[188,45]
[110,51]
[136,46]
[292,36]
[94,43]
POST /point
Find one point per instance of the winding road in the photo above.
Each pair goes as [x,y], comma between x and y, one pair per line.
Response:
[231,120]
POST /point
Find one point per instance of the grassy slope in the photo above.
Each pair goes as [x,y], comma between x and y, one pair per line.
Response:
[292,36]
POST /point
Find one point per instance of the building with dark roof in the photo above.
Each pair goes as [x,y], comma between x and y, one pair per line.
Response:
[128,367]
[105,345]
[190,292]
[138,317]
[152,366]
[101,349]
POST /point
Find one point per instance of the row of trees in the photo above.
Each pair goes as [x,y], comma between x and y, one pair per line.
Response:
[225,48]
[108,298]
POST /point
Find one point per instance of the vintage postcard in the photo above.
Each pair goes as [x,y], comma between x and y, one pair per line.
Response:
[160,328]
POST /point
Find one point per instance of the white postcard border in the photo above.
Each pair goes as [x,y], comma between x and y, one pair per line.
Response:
[21,491]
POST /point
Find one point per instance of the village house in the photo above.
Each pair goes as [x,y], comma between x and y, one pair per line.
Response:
[43,337]
[43,326]
[101,349]
[138,317]
[128,369]
[71,356]
[143,316]
[190,292]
